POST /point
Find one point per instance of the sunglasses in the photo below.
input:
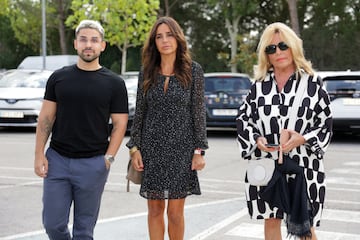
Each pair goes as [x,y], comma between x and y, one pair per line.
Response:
[271,49]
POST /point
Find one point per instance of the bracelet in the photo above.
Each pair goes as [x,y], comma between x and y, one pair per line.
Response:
[133,149]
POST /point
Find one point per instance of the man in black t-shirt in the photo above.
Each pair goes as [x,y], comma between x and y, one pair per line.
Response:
[78,103]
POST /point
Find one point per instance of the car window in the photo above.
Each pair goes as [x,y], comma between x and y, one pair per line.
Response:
[18,79]
[343,85]
[227,84]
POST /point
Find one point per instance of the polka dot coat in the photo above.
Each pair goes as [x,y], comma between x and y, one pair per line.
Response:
[264,113]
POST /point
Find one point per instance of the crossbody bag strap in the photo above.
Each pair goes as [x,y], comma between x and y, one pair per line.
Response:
[298,98]
[295,108]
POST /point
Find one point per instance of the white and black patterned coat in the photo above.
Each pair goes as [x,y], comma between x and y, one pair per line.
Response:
[264,113]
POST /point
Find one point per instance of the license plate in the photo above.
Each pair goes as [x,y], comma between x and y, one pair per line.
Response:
[225,112]
[351,101]
[11,114]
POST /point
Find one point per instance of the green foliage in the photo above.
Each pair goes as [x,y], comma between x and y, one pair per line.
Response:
[332,34]
[330,29]
[25,17]
[247,57]
[126,22]
[12,52]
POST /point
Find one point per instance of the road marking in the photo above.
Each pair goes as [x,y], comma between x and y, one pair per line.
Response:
[17,168]
[257,231]
[352,171]
[23,235]
[342,202]
[352,164]
[342,189]
[343,181]
[341,215]
[129,216]
[208,232]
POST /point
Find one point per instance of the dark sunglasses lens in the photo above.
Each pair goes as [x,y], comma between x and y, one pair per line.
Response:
[282,46]
[270,49]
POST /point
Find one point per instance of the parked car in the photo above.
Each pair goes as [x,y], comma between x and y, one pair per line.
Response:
[224,93]
[344,91]
[131,86]
[52,62]
[21,96]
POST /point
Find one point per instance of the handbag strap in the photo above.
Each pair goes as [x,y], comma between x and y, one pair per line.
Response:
[294,109]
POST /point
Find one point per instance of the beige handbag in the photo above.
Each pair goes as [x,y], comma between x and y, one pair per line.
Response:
[133,176]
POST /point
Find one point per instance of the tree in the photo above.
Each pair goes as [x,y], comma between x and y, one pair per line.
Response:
[126,22]
[294,16]
[27,26]
[235,12]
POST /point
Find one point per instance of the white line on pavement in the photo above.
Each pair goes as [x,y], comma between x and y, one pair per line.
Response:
[220,225]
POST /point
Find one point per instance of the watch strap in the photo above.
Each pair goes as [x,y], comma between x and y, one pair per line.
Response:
[199,151]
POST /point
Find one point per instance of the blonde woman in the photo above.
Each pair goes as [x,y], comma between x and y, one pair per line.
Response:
[263,119]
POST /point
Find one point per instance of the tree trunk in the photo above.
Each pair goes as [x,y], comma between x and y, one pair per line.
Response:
[167,8]
[123,58]
[294,16]
[233,29]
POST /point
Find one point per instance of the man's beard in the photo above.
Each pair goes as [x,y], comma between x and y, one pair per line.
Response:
[88,58]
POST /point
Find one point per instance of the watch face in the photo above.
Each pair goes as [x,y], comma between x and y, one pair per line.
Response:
[110,158]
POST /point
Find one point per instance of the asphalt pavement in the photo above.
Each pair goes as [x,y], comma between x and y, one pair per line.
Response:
[220,213]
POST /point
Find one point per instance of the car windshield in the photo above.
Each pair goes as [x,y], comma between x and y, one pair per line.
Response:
[227,84]
[20,79]
[343,85]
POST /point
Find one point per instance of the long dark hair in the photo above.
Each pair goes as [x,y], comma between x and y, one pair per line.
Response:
[151,57]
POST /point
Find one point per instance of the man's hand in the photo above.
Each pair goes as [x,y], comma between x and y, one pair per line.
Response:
[41,166]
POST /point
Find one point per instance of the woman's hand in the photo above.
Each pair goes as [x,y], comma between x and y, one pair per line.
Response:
[136,161]
[290,139]
[261,144]
[198,162]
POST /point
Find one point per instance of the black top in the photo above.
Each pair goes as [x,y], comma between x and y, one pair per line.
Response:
[85,100]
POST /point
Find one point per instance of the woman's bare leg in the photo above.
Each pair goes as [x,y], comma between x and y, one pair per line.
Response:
[175,212]
[156,219]
[272,229]
[313,235]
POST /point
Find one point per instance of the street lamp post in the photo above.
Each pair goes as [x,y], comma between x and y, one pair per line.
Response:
[43,40]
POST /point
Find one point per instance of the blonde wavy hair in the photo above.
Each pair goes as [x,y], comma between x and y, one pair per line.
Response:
[295,46]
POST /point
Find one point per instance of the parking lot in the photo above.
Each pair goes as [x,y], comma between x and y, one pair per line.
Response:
[219,213]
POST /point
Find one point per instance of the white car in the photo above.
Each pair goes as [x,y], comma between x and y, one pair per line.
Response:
[131,86]
[344,91]
[21,96]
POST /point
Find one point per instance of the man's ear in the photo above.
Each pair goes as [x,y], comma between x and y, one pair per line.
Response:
[103,46]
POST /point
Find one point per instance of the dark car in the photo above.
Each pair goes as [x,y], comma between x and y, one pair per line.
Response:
[344,91]
[224,93]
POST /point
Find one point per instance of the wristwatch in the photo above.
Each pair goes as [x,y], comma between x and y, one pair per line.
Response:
[109,158]
[199,151]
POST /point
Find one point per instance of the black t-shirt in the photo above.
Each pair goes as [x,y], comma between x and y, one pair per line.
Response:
[85,100]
